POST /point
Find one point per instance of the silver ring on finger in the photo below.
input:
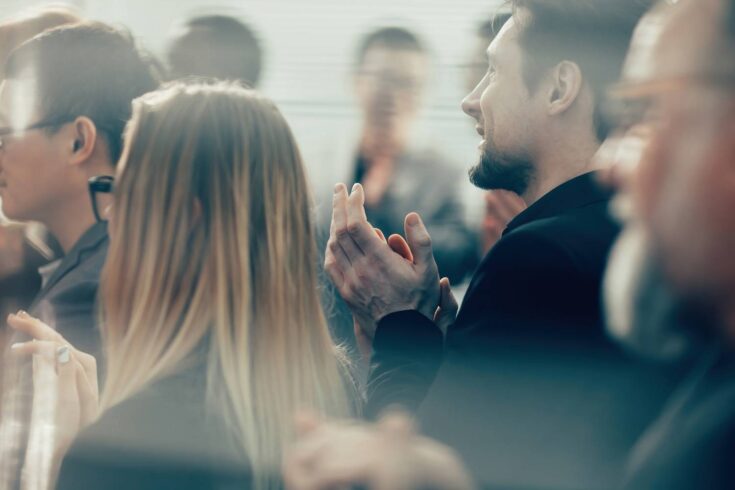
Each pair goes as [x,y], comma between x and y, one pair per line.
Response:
[63,354]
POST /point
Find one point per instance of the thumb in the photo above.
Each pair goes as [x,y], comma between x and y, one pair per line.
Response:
[446,313]
[418,239]
[448,302]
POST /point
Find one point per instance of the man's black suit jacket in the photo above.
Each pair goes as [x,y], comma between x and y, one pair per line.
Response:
[540,283]
[527,386]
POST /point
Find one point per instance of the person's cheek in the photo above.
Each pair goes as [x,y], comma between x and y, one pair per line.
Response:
[647,176]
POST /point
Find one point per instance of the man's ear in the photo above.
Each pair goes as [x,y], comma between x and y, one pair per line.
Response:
[84,140]
[566,84]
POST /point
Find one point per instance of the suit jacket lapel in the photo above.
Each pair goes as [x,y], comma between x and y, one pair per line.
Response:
[575,193]
[89,240]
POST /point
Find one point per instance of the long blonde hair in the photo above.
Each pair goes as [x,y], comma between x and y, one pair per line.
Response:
[212,243]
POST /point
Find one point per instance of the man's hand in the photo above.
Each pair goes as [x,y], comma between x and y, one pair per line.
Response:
[386,455]
[376,277]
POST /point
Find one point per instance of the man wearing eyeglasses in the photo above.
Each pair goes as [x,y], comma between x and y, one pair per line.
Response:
[63,106]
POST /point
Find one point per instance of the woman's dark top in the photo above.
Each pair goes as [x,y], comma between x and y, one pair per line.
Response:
[161,438]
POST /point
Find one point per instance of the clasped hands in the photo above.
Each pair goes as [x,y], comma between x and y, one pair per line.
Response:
[376,276]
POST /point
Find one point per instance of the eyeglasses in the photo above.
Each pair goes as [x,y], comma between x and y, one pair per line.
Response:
[631,103]
[101,184]
[46,123]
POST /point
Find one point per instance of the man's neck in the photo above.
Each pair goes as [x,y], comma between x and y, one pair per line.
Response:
[67,223]
[563,163]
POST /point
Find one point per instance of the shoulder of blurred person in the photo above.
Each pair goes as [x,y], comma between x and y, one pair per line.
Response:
[692,443]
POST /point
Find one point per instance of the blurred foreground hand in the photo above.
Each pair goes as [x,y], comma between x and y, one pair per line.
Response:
[388,455]
[65,398]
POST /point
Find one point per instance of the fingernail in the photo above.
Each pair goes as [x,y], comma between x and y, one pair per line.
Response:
[22,313]
[355,186]
[337,187]
[16,345]
[413,219]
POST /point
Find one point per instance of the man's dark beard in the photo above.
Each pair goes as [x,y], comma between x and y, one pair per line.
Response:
[500,172]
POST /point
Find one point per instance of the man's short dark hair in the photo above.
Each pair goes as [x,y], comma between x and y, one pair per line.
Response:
[397,38]
[490,28]
[594,34]
[87,70]
[217,46]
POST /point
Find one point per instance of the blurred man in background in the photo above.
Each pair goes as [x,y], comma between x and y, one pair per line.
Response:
[398,174]
[390,78]
[216,46]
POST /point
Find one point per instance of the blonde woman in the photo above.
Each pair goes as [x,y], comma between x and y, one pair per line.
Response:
[213,331]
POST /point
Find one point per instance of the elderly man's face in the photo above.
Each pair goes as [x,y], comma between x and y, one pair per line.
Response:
[678,150]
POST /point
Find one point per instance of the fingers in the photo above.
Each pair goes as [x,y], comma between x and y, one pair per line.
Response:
[380,234]
[325,458]
[447,301]
[305,422]
[336,263]
[358,228]
[399,245]
[45,349]
[397,423]
[23,322]
[446,313]
[342,233]
[418,239]
[88,364]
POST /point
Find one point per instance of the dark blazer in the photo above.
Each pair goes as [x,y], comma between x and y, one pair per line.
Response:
[66,302]
[527,387]
[539,283]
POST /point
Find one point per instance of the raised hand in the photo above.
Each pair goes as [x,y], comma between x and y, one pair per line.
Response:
[376,277]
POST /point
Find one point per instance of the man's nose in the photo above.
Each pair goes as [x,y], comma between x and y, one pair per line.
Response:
[471,105]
